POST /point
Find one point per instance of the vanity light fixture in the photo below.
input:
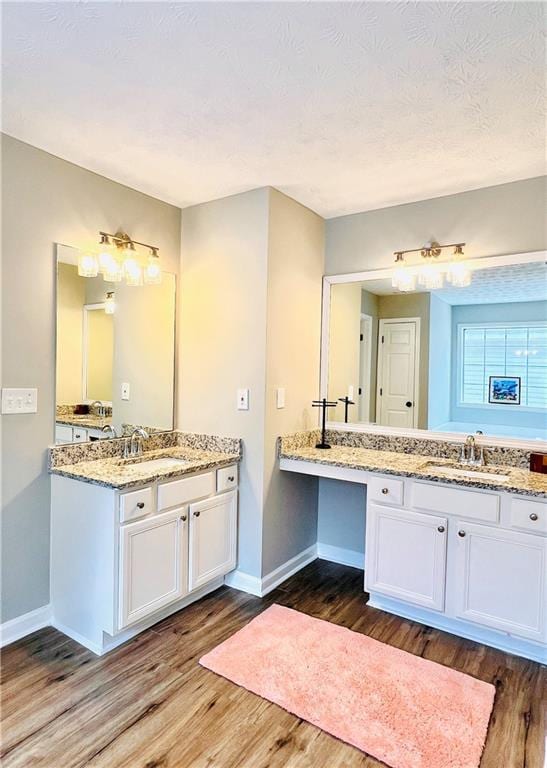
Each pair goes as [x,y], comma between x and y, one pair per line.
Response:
[431,273]
[109,304]
[118,258]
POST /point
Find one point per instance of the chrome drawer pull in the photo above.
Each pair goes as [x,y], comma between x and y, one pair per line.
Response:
[183,518]
[385,491]
[533,517]
[197,513]
[461,533]
[231,479]
[140,504]
[441,528]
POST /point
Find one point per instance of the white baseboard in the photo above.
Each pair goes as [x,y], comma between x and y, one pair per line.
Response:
[341,555]
[261,587]
[30,622]
[288,569]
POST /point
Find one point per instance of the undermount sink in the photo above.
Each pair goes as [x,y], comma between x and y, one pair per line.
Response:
[470,472]
[165,462]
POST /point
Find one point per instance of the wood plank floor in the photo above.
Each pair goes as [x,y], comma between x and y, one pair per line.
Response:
[149,704]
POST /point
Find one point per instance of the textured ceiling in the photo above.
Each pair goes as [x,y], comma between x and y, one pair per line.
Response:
[344,106]
[497,285]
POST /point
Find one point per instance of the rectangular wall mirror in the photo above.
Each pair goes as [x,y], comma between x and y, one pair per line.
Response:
[452,360]
[115,355]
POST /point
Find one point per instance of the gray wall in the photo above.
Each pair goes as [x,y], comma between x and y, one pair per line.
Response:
[251,267]
[47,200]
[341,515]
[509,218]
[440,339]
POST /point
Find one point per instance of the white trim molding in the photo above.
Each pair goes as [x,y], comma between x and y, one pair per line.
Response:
[340,555]
[24,625]
[260,587]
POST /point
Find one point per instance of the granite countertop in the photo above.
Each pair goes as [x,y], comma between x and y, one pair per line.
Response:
[411,465]
[119,473]
[86,421]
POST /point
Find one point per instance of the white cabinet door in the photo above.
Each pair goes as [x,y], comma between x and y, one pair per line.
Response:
[213,527]
[501,579]
[406,556]
[153,564]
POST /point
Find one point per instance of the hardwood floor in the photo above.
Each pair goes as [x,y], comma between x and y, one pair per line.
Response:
[149,704]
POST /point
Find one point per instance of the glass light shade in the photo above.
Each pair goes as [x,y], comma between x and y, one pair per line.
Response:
[105,259]
[110,304]
[88,266]
[152,273]
[459,274]
[132,271]
[431,277]
[403,280]
[114,272]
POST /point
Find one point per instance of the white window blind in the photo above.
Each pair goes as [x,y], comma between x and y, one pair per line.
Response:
[513,349]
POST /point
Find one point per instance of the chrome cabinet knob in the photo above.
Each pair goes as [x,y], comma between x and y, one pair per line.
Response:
[461,534]
[140,504]
[183,518]
[197,513]
[441,528]
[385,491]
[231,479]
[533,517]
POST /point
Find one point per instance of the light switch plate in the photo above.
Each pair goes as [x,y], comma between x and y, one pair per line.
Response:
[125,390]
[242,399]
[280,397]
[18,400]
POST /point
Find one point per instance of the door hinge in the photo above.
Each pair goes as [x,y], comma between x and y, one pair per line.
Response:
[360,337]
[382,339]
[360,391]
[381,391]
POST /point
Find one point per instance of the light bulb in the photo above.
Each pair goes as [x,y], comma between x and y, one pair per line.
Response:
[110,304]
[431,277]
[152,274]
[458,274]
[88,265]
[402,278]
[105,259]
[114,272]
[132,271]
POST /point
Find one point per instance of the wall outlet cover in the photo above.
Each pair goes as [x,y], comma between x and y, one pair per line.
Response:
[280,397]
[126,389]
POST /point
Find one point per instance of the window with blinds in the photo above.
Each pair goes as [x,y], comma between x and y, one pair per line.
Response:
[512,349]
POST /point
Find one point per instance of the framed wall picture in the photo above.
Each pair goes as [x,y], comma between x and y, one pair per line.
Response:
[504,390]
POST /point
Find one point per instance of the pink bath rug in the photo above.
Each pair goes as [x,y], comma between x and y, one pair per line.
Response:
[399,708]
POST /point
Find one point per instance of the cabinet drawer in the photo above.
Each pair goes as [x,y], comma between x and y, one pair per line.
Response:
[188,489]
[385,490]
[529,515]
[79,435]
[455,501]
[226,478]
[136,504]
[63,434]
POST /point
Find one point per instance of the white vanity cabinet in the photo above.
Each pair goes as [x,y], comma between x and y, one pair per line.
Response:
[122,560]
[473,562]
[406,556]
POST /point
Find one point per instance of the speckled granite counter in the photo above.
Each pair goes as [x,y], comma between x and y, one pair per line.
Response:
[89,421]
[301,447]
[103,463]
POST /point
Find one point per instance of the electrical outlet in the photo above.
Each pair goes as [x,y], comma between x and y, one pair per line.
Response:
[125,390]
[242,399]
[280,397]
[17,400]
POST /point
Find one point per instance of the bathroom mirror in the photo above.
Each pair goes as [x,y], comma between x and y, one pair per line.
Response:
[115,354]
[451,360]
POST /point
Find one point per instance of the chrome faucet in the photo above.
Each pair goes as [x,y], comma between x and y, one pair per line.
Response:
[100,409]
[468,454]
[110,429]
[135,443]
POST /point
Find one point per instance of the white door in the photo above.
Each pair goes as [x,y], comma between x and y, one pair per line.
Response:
[398,365]
[365,353]
[405,556]
[213,529]
[153,564]
[501,579]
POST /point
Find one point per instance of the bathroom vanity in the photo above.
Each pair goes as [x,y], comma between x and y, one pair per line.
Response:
[135,540]
[466,553]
